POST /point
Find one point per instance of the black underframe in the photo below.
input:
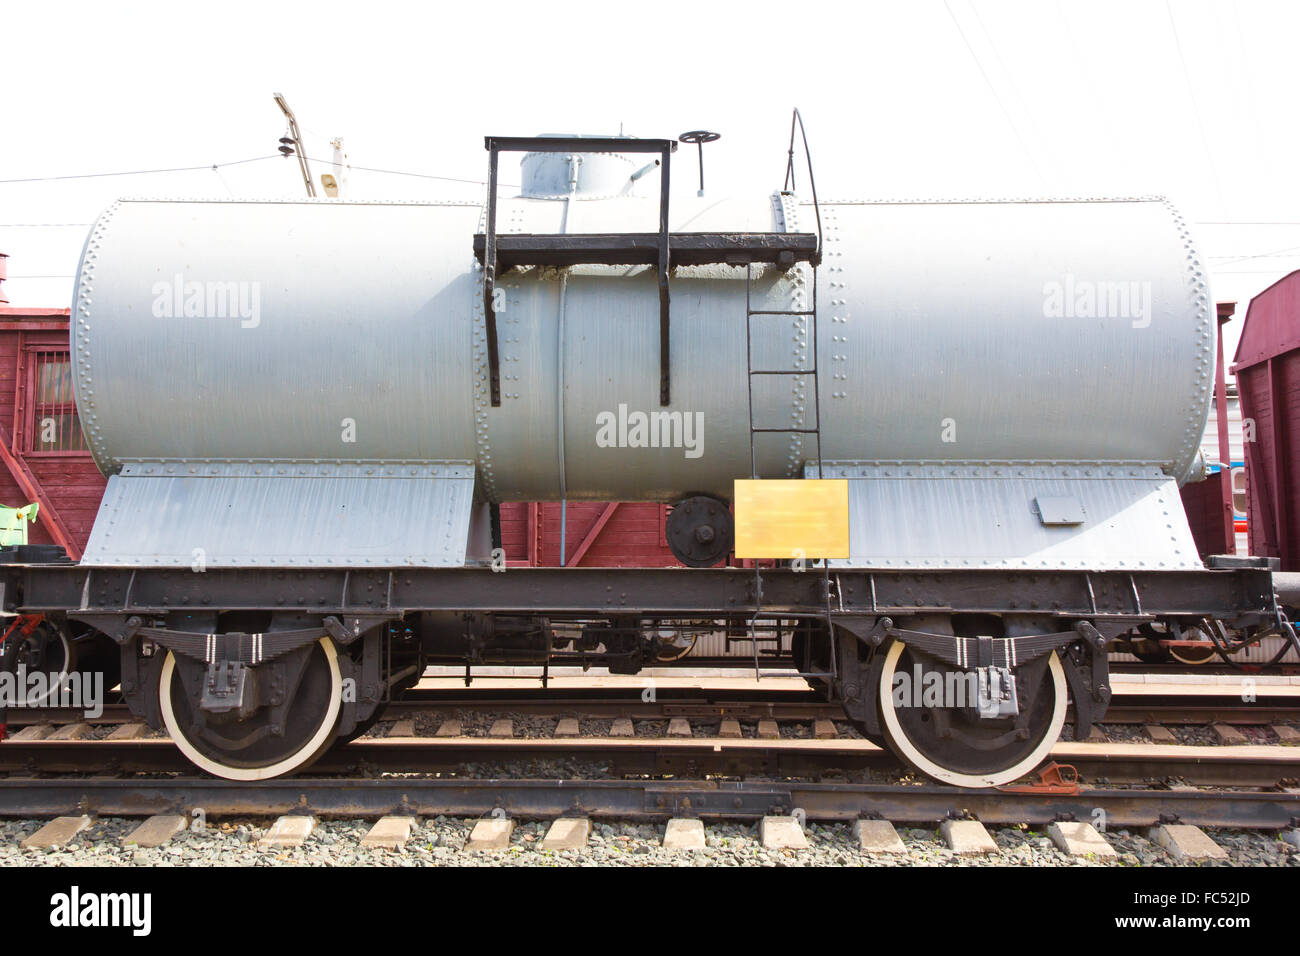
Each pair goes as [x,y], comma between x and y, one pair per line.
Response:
[1240,595]
[174,607]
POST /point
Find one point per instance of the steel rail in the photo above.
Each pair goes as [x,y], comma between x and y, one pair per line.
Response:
[706,704]
[638,799]
[1249,765]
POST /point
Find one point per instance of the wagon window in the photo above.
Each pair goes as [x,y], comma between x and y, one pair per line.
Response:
[54,425]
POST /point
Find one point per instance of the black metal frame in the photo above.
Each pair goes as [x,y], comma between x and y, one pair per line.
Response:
[662,249]
[642,248]
[553,144]
[1097,596]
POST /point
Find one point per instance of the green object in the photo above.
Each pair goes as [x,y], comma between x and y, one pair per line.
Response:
[14,522]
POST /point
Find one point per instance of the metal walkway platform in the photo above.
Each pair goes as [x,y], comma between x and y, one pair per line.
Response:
[642,248]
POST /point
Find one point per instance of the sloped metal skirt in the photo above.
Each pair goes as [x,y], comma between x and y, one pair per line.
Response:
[286,514]
[1113,516]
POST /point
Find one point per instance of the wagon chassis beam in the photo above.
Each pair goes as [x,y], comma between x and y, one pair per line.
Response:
[1109,599]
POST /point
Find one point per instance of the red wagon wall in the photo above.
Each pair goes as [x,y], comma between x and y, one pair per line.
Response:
[598,534]
[1209,504]
[1267,366]
[42,453]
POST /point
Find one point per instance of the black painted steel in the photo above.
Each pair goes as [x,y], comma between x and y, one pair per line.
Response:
[698,137]
[642,248]
[700,531]
[495,145]
[1099,596]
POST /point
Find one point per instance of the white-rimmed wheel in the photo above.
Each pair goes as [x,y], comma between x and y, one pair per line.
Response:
[273,740]
[953,744]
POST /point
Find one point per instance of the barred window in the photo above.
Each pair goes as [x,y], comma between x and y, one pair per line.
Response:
[55,426]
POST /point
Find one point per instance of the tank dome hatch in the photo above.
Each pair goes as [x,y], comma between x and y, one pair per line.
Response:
[595,175]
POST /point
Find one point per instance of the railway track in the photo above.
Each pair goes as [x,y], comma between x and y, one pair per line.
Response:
[808,790]
[328,797]
[659,757]
[435,753]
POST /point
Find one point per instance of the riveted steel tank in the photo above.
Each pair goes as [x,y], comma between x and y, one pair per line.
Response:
[347,331]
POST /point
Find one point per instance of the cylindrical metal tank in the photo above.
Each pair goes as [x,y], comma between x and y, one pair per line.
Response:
[989,331]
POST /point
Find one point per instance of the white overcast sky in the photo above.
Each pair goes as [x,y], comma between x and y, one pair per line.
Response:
[1193,99]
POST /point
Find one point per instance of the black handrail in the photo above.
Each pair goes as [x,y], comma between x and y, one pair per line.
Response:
[812,182]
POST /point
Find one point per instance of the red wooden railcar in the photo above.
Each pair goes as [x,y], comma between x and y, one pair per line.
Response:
[1267,366]
[43,453]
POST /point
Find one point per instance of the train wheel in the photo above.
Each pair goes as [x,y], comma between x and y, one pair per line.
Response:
[1146,646]
[799,651]
[254,749]
[46,650]
[364,727]
[954,744]
[1185,654]
[99,654]
[673,645]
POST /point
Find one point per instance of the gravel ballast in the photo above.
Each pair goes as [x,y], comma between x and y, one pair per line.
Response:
[439,841]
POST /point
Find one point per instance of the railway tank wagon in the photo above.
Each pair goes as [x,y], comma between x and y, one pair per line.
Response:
[307,409]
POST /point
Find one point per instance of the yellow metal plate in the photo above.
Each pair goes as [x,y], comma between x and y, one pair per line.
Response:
[795,518]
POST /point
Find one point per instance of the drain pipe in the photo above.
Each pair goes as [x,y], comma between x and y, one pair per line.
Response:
[574,162]
[559,418]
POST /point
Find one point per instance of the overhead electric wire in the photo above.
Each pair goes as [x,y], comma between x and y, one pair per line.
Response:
[216,172]
[980,66]
[1246,73]
[1015,90]
[217,166]
[1196,109]
[400,172]
[138,172]
[1262,255]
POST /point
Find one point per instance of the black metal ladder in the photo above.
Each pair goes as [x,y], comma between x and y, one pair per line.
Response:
[754,430]
[811,372]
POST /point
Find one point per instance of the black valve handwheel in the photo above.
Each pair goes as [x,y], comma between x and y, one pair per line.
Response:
[699,136]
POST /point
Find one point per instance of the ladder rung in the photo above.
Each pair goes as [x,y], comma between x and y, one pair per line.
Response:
[784,371]
[782,312]
[788,431]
